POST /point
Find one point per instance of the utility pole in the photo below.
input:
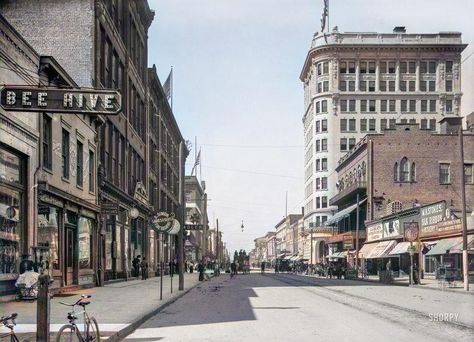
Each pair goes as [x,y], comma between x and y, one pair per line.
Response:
[182,217]
[357,238]
[217,245]
[465,267]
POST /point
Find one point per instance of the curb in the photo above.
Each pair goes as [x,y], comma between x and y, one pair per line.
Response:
[121,334]
[423,287]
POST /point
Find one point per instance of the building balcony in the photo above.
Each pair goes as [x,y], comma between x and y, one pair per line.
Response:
[348,193]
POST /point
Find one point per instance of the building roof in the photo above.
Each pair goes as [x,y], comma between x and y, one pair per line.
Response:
[338,39]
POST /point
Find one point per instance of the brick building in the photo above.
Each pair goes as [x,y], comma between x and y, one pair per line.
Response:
[104,44]
[48,176]
[395,174]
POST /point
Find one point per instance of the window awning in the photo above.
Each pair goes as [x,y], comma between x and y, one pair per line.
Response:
[400,248]
[382,249]
[343,214]
[366,249]
[458,247]
[444,245]
[338,255]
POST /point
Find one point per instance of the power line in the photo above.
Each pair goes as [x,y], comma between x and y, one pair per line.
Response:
[253,146]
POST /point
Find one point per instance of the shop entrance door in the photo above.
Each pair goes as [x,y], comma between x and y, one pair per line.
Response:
[70,252]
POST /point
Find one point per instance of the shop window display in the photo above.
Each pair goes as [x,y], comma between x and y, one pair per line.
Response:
[12,188]
[48,238]
[85,231]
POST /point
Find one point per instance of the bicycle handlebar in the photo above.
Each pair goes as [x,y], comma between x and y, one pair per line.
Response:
[78,301]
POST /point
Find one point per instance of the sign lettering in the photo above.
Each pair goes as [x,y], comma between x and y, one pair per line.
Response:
[55,100]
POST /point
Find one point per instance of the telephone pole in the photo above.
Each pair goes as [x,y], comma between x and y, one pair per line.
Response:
[465,267]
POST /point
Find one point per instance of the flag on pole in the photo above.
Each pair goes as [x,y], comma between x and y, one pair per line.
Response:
[196,162]
[167,85]
[325,14]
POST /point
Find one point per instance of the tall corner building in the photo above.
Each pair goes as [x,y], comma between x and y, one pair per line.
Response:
[364,82]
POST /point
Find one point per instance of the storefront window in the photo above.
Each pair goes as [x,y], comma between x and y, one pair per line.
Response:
[85,231]
[125,250]
[152,250]
[118,249]
[48,237]
[108,246]
[10,229]
[12,188]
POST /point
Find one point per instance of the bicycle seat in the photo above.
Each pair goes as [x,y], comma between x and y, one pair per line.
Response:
[9,317]
[83,303]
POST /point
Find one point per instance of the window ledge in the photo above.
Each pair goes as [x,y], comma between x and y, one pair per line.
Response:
[65,179]
[48,170]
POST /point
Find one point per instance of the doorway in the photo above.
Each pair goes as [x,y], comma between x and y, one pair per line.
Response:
[70,252]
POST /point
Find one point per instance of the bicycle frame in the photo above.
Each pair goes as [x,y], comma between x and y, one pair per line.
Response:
[73,318]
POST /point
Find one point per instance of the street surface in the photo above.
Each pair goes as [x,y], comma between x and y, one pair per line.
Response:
[283,307]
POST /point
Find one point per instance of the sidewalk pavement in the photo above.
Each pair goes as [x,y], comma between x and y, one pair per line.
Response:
[119,307]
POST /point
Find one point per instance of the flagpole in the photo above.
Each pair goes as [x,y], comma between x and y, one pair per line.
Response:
[328,32]
[171,88]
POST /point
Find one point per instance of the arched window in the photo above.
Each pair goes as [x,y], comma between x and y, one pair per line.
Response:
[404,170]
[395,172]
[413,172]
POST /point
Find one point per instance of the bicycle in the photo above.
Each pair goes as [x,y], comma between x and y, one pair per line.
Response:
[9,322]
[70,332]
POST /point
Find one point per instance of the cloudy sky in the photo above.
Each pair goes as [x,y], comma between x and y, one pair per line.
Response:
[236,65]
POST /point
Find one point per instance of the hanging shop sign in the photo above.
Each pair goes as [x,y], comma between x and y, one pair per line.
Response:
[430,216]
[411,231]
[375,232]
[109,208]
[348,242]
[65,101]
[163,222]
[193,227]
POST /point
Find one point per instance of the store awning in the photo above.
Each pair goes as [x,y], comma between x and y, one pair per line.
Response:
[337,255]
[458,247]
[400,248]
[382,249]
[366,249]
[343,214]
[444,245]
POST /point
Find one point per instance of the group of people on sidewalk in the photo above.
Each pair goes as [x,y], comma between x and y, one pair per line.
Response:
[140,265]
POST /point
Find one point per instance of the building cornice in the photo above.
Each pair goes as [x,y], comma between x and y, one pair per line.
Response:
[332,49]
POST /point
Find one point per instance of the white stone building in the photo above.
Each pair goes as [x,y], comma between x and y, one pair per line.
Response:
[359,83]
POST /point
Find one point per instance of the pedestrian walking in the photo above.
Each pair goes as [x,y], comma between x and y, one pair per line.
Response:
[233,269]
[201,271]
[263,267]
[144,268]
[136,266]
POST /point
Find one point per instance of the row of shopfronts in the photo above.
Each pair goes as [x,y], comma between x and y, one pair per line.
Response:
[439,242]
[438,246]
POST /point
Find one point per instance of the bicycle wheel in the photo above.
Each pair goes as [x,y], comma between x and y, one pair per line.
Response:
[92,334]
[68,333]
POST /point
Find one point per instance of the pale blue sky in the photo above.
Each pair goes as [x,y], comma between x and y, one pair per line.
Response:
[236,82]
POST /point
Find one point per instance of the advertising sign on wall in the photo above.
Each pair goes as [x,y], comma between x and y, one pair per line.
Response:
[391,229]
[430,216]
[375,232]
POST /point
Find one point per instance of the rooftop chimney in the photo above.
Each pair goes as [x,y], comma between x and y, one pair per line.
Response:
[450,124]
[399,29]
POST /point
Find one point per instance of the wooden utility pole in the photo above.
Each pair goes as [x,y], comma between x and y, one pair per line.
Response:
[465,264]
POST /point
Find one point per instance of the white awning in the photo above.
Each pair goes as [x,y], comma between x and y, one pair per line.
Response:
[343,213]
[366,249]
[400,248]
[382,249]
